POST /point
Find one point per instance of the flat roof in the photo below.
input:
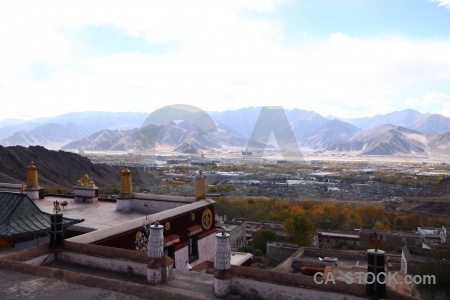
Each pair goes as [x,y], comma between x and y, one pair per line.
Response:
[133,223]
[238,258]
[341,262]
[97,215]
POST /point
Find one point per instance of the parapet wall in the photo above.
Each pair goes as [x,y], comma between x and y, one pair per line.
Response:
[149,206]
[277,253]
[257,284]
[343,254]
[116,265]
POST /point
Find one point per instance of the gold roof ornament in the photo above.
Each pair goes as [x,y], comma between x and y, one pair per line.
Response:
[85,180]
[126,184]
[125,171]
[32,166]
[200,186]
[32,176]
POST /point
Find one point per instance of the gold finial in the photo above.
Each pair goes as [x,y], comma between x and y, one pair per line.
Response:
[85,180]
[32,176]
[126,184]
[200,186]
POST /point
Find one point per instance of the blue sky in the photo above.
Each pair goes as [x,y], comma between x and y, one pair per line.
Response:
[348,58]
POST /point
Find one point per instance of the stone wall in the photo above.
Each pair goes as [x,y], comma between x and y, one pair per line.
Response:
[104,263]
[205,252]
[344,254]
[238,233]
[276,253]
[279,281]
[253,289]
[265,284]
[131,289]
[153,206]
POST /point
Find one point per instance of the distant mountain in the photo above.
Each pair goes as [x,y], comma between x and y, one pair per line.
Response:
[10,129]
[409,118]
[385,140]
[243,120]
[59,168]
[441,143]
[50,135]
[123,132]
[58,131]
[328,134]
[181,137]
[102,120]
[104,139]
[11,122]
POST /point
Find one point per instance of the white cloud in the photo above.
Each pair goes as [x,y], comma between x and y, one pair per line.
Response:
[226,60]
[445,3]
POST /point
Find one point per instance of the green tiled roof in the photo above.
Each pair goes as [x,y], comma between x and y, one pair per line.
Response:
[19,216]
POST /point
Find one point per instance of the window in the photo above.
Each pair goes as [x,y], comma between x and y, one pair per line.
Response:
[170,252]
[193,248]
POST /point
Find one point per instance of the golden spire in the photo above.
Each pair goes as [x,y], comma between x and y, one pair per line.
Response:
[200,186]
[126,186]
[32,175]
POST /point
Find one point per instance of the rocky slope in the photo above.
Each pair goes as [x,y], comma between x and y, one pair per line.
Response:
[58,168]
[385,140]
[181,137]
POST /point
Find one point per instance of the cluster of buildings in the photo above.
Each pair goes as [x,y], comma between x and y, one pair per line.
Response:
[169,246]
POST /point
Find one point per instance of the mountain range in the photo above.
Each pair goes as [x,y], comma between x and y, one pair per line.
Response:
[55,132]
[59,168]
[402,132]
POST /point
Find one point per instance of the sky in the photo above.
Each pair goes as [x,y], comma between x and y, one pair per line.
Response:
[346,58]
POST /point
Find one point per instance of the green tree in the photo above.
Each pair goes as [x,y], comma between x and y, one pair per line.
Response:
[300,230]
[438,265]
[262,236]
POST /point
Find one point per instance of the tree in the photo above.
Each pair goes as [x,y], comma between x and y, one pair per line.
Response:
[378,226]
[262,236]
[391,218]
[300,230]
[439,266]
[370,215]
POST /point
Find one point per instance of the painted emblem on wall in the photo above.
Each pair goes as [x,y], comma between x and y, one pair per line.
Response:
[141,241]
[193,217]
[167,226]
[207,219]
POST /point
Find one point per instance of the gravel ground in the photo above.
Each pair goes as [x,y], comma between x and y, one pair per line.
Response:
[15,285]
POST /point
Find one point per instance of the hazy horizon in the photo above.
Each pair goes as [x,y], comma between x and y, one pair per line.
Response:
[105,111]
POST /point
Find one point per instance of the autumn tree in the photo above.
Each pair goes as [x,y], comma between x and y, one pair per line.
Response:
[370,215]
[391,218]
[378,226]
[300,230]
